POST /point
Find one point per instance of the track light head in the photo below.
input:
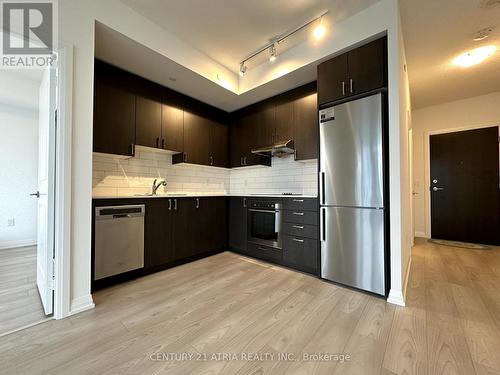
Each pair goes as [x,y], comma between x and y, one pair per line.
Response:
[272,52]
[243,69]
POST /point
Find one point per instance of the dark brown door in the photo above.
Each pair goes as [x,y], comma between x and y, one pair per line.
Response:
[172,128]
[196,139]
[465,186]
[218,144]
[367,67]
[182,214]
[284,122]
[306,127]
[332,79]
[114,111]
[148,114]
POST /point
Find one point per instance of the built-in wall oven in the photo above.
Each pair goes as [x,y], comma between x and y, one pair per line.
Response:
[264,223]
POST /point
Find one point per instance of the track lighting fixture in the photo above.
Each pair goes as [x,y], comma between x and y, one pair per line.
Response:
[319,32]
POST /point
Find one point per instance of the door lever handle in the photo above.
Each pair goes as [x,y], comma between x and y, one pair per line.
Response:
[37,194]
[435,188]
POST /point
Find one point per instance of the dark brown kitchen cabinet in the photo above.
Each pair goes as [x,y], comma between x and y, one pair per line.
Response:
[283,124]
[196,139]
[332,79]
[172,128]
[305,127]
[355,72]
[238,223]
[158,233]
[114,111]
[219,148]
[148,117]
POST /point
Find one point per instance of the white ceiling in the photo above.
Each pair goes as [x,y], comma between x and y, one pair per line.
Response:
[229,30]
[435,32]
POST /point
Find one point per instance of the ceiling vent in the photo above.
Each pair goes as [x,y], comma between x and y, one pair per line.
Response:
[487,4]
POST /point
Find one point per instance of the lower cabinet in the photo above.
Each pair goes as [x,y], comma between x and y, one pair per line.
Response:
[238,223]
[301,252]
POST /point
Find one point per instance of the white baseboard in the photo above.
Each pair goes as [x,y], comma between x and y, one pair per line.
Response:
[17,243]
[81,304]
[420,234]
[396,298]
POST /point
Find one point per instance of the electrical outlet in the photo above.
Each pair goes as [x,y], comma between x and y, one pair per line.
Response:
[11,222]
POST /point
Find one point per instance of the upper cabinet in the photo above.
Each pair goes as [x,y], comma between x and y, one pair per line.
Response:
[219,144]
[355,72]
[172,123]
[148,114]
[114,111]
[196,139]
[306,127]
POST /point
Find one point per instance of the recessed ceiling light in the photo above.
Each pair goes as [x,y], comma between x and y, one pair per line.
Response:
[474,56]
[483,34]
[320,30]
[172,79]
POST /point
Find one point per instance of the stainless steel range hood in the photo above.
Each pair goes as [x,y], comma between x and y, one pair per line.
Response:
[279,149]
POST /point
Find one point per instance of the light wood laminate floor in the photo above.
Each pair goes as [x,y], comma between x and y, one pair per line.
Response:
[232,304]
[20,303]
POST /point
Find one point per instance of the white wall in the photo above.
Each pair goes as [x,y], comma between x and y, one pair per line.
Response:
[18,159]
[476,112]
[76,23]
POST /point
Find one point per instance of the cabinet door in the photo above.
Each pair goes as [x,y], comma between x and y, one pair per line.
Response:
[148,114]
[196,139]
[236,143]
[158,248]
[284,122]
[182,213]
[258,131]
[172,128]
[306,127]
[332,79]
[218,223]
[114,112]
[238,223]
[367,67]
[218,144]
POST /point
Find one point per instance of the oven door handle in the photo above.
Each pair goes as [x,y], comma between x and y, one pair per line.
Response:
[265,211]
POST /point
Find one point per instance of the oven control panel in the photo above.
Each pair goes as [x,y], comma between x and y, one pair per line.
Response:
[263,205]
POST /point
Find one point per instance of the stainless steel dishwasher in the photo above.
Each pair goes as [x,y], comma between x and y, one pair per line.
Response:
[119,240]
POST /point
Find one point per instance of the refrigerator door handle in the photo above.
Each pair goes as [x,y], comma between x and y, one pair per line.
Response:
[322,225]
[321,187]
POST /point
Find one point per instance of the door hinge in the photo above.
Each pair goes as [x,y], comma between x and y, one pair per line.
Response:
[52,282]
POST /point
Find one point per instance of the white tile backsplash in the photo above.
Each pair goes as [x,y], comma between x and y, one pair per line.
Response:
[119,177]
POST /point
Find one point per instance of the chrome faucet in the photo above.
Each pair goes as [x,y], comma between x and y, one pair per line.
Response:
[155,186]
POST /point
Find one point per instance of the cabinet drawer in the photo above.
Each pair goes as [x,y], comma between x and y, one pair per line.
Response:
[300,217]
[301,230]
[264,252]
[302,252]
[301,204]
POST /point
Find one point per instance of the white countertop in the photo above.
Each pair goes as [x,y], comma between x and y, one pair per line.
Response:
[199,195]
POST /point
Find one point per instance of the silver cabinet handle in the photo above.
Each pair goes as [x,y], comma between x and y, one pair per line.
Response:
[245,160]
[184,157]
[298,240]
[244,203]
[299,213]
[170,204]
[197,203]
[211,160]
[343,88]
[351,85]
[298,226]
[435,188]
[298,200]
[175,204]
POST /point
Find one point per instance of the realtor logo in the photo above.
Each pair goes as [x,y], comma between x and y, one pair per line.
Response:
[28,30]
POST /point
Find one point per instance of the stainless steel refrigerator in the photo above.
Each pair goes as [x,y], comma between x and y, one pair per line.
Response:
[351,182]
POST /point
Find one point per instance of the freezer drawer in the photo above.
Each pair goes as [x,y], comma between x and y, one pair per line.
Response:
[352,247]
[351,157]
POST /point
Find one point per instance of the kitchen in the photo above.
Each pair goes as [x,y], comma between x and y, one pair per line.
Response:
[257,192]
